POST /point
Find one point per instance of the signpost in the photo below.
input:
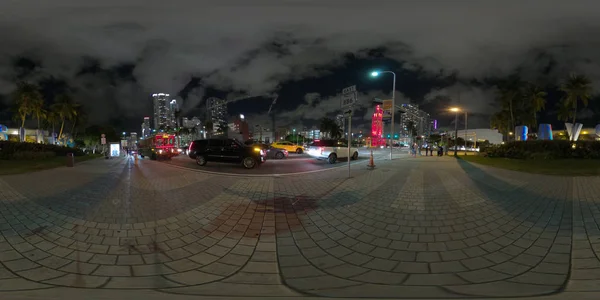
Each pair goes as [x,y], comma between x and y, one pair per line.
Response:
[349,97]
[387,109]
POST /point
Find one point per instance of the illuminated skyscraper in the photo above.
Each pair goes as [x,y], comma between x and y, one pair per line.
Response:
[217,113]
[146,131]
[162,117]
[173,108]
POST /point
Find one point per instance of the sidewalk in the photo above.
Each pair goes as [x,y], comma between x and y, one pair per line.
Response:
[405,230]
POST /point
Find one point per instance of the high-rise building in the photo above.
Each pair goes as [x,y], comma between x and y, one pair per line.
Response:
[162,117]
[217,113]
[173,108]
[146,131]
[420,119]
[133,137]
[191,123]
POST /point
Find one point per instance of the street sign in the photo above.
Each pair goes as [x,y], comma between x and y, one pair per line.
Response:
[349,96]
[387,109]
[103,141]
[350,89]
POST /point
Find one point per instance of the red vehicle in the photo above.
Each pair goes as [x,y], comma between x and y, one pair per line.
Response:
[159,146]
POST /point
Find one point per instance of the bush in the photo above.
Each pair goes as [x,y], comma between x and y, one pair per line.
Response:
[30,155]
[546,150]
[9,149]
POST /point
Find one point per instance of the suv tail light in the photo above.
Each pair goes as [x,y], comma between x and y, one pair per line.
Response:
[190,147]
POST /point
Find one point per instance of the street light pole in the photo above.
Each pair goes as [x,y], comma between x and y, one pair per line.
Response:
[375,74]
[465,132]
[456,133]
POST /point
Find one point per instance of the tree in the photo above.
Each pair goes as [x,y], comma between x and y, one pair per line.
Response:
[38,110]
[27,98]
[65,109]
[501,122]
[564,111]
[535,99]
[79,117]
[51,119]
[508,93]
[329,126]
[576,88]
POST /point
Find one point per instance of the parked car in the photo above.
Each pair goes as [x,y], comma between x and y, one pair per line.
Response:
[226,150]
[331,150]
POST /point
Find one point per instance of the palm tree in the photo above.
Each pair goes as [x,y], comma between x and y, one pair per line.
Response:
[501,121]
[509,92]
[535,99]
[27,97]
[65,109]
[328,126]
[335,131]
[576,88]
[78,118]
[51,119]
[564,111]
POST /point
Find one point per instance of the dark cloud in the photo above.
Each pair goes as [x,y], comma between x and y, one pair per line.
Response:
[253,46]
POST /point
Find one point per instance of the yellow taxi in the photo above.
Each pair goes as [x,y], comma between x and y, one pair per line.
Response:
[289,146]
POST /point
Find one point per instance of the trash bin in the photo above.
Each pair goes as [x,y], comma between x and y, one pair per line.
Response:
[70,160]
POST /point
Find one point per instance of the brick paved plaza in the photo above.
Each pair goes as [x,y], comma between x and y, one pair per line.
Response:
[424,227]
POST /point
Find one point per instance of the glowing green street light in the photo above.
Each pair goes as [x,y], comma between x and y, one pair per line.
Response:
[374,73]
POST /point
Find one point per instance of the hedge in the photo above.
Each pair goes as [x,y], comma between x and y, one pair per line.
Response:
[17,150]
[546,150]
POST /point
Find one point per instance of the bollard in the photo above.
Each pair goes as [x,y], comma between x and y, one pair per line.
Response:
[70,160]
[135,159]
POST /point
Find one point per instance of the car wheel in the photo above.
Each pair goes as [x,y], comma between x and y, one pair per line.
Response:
[332,158]
[355,156]
[279,155]
[249,162]
[299,151]
[200,160]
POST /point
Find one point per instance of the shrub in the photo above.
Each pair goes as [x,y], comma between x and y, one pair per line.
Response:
[30,155]
[547,150]
[8,149]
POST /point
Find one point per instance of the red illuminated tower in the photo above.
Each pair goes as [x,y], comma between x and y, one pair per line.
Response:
[377,128]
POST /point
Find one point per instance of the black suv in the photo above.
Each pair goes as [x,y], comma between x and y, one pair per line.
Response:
[226,150]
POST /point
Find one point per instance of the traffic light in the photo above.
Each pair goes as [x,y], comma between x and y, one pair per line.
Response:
[395,136]
[388,136]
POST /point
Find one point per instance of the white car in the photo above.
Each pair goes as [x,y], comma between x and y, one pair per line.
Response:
[331,150]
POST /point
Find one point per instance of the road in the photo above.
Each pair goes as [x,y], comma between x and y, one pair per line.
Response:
[296,163]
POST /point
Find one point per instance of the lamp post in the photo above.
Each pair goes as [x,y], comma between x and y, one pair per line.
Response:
[465,132]
[375,74]
[295,136]
[456,110]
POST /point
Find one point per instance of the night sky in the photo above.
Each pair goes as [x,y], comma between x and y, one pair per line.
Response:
[112,55]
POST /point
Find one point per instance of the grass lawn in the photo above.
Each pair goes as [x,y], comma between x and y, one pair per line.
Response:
[566,167]
[8,167]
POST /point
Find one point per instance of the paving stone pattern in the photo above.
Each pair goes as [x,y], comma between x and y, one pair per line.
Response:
[424,227]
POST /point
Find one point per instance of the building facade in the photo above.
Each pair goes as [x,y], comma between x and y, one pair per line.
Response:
[421,120]
[480,135]
[173,118]
[146,130]
[217,113]
[162,115]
